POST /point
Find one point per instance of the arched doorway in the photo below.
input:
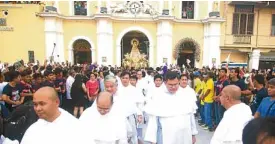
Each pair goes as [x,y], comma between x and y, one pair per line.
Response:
[187,51]
[134,43]
[82,51]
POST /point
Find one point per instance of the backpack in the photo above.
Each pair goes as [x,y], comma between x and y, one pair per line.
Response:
[16,124]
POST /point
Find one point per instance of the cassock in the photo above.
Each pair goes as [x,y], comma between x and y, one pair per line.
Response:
[142,85]
[174,114]
[63,130]
[105,129]
[230,128]
[131,101]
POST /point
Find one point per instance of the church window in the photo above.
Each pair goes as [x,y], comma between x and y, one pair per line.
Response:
[187,11]
[80,8]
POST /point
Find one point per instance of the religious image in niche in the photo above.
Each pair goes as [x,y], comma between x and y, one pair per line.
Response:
[135,58]
[135,54]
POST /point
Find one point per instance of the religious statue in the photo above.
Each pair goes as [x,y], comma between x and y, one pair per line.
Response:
[135,58]
[215,6]
[149,9]
[135,54]
[118,8]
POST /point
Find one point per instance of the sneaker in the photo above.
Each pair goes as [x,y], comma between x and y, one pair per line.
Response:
[203,125]
[205,128]
[211,129]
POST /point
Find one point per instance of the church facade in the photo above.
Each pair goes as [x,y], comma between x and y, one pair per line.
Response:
[198,33]
[101,31]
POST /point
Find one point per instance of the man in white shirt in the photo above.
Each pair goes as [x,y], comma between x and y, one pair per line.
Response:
[171,113]
[55,125]
[69,83]
[236,116]
[105,124]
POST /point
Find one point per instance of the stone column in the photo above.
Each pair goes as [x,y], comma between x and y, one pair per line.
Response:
[254,59]
[211,50]
[196,9]
[56,5]
[54,35]
[71,8]
[170,5]
[118,55]
[104,41]
[161,3]
[88,8]
[98,6]
[164,42]
[93,50]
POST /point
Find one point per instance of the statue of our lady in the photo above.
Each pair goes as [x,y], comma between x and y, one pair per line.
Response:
[135,54]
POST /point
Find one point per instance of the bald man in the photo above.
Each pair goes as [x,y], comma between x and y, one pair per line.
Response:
[104,122]
[55,125]
[236,116]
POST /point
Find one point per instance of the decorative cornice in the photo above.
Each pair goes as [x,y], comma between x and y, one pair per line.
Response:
[10,6]
[213,20]
[119,18]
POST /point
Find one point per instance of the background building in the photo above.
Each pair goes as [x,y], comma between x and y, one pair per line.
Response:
[248,33]
[102,31]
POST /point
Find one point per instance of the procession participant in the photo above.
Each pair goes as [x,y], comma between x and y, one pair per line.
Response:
[142,84]
[189,92]
[170,114]
[133,80]
[55,125]
[133,99]
[158,81]
[236,116]
[124,100]
[105,123]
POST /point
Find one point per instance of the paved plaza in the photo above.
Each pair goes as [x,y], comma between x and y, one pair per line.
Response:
[204,136]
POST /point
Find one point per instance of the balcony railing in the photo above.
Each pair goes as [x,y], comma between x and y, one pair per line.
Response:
[242,39]
[80,11]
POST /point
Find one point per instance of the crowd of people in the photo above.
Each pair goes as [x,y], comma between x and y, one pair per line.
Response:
[89,103]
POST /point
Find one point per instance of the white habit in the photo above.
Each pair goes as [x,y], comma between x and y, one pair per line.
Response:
[104,129]
[63,130]
[131,101]
[231,126]
[176,116]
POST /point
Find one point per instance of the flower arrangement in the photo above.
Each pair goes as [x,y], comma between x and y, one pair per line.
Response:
[137,63]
